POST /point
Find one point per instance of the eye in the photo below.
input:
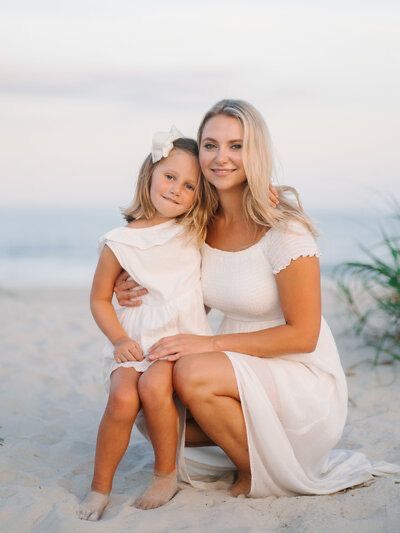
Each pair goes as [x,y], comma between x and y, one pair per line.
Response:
[237,146]
[189,187]
[209,146]
[169,177]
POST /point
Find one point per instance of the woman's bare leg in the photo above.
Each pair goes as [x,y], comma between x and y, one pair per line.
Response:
[112,439]
[156,396]
[206,384]
[195,436]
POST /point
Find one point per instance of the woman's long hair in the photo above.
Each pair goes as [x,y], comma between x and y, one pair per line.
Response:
[258,166]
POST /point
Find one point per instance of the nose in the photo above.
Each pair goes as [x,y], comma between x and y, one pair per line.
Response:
[221,156]
[175,189]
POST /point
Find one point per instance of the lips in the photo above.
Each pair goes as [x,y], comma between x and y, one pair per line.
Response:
[222,171]
[170,200]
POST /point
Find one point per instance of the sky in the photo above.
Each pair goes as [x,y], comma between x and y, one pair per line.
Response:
[84,84]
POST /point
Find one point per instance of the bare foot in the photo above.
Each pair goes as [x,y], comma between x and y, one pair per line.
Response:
[242,484]
[92,507]
[161,490]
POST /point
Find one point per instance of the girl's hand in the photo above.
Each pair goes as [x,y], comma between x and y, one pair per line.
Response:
[126,349]
[273,196]
[175,347]
[127,291]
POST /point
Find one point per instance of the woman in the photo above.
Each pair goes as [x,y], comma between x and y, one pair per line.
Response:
[269,388]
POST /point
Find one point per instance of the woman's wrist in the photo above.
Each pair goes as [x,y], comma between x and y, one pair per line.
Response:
[229,342]
[217,343]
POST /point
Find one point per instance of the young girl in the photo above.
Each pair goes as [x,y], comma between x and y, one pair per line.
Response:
[160,248]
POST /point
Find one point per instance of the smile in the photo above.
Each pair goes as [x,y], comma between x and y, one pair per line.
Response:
[222,171]
[170,200]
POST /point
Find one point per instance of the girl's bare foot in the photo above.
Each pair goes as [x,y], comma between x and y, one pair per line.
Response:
[161,490]
[92,507]
[242,484]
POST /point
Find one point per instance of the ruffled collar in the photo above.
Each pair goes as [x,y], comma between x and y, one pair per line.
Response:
[143,238]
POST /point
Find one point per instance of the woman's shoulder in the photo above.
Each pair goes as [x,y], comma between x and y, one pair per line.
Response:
[289,241]
[290,226]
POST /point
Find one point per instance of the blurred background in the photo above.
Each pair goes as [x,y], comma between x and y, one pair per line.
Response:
[84,84]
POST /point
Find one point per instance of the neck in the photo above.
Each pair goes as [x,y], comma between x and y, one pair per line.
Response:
[158,219]
[231,204]
[155,220]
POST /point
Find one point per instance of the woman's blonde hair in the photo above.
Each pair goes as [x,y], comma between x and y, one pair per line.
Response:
[258,166]
[204,205]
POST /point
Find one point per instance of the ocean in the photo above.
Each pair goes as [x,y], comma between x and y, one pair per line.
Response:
[58,247]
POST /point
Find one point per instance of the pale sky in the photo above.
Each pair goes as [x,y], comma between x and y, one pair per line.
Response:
[84,84]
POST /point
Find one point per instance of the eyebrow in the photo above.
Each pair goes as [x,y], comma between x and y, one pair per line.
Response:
[232,141]
[171,171]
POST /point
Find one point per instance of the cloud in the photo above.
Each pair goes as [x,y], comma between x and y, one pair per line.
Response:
[165,87]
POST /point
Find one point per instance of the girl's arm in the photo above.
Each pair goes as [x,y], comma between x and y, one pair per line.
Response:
[300,298]
[107,271]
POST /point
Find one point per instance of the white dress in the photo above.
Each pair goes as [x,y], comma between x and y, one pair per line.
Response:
[294,406]
[163,259]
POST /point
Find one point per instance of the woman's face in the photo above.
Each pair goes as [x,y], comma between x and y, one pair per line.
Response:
[221,149]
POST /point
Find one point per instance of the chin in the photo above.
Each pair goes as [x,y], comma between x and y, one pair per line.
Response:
[226,185]
[167,211]
[168,214]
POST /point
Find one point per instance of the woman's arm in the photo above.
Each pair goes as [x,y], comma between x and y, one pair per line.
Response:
[108,268]
[127,291]
[299,290]
[300,298]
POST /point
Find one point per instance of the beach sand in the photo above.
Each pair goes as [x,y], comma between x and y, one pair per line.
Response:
[52,399]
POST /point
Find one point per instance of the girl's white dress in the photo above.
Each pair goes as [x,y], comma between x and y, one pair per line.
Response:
[294,406]
[163,259]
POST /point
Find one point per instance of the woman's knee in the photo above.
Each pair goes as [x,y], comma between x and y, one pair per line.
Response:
[190,377]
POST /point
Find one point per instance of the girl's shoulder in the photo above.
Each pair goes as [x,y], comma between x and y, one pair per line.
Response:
[140,236]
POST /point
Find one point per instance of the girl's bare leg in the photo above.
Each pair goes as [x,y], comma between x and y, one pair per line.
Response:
[206,384]
[112,439]
[156,396]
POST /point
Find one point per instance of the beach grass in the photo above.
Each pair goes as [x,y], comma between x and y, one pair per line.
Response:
[370,290]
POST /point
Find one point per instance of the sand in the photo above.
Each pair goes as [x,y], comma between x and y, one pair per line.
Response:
[52,399]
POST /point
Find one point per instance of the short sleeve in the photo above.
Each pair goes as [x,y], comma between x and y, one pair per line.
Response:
[284,245]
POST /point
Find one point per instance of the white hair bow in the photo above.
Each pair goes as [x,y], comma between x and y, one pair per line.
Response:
[163,143]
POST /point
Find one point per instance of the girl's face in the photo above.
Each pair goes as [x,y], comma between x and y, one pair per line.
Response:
[221,152]
[174,182]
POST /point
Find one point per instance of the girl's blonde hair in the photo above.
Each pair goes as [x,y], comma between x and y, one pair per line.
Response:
[204,205]
[258,166]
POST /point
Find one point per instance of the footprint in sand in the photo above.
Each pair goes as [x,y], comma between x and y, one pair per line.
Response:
[80,447]
[52,435]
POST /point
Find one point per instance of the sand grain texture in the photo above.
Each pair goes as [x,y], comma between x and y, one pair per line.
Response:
[51,402]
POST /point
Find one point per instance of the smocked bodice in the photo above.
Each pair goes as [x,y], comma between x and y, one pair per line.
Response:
[242,284]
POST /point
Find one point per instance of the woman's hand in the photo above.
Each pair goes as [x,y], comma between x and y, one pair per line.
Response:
[127,291]
[273,196]
[175,347]
[126,349]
